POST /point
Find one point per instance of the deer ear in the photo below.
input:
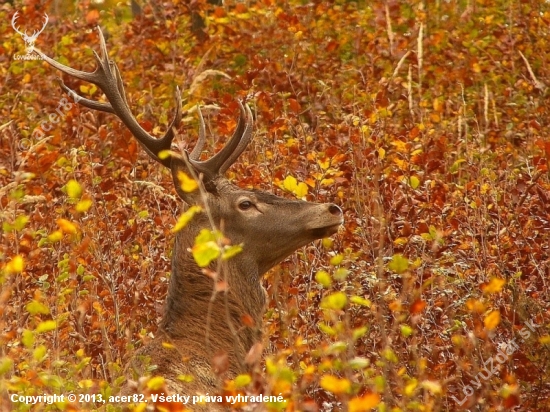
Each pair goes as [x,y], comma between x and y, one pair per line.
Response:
[184,182]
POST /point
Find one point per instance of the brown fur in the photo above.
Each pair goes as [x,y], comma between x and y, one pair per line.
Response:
[199,328]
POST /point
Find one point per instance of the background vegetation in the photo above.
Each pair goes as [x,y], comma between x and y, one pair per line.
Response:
[426,121]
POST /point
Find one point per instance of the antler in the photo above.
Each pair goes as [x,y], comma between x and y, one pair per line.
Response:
[37,32]
[107,78]
[13,19]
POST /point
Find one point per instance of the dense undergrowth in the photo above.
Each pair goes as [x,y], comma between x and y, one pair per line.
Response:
[427,122]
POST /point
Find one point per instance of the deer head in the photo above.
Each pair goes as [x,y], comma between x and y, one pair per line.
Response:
[269,228]
[29,40]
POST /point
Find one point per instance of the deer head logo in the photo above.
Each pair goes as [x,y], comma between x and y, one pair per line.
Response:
[28,39]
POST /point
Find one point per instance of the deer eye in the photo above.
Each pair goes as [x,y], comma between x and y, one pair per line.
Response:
[245,205]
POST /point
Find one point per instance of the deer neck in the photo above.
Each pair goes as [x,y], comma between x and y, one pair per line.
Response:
[217,320]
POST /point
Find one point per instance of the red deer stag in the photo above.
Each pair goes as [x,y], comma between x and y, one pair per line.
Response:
[197,323]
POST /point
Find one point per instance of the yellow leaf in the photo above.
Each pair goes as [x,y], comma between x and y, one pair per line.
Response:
[155,383]
[364,403]
[403,165]
[334,384]
[414,181]
[187,184]
[410,387]
[83,205]
[86,383]
[324,164]
[301,190]
[66,226]
[400,241]
[433,386]
[492,320]
[323,278]
[494,286]
[335,301]
[16,265]
[74,190]
[186,378]
[46,326]
[185,218]
[290,183]
[327,182]
[381,153]
[400,146]
[55,236]
[336,260]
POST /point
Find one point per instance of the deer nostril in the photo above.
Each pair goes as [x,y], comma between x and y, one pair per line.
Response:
[334,210]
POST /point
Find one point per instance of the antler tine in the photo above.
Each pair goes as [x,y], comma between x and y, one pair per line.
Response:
[197,150]
[107,77]
[90,104]
[245,139]
[212,166]
[13,20]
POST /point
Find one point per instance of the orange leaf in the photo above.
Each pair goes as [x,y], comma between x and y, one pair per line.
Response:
[494,286]
[92,17]
[334,384]
[492,320]
[364,403]
[294,106]
[417,306]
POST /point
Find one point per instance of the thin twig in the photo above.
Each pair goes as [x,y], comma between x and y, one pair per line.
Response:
[538,84]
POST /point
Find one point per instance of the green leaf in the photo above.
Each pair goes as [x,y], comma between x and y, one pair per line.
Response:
[35,308]
[359,332]
[242,380]
[456,165]
[358,300]
[206,252]
[5,365]
[406,330]
[206,235]
[230,251]
[329,330]
[20,222]
[27,338]
[40,353]
[359,363]
[398,264]
[341,274]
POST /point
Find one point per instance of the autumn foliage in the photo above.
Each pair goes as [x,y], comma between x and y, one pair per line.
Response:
[427,122]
